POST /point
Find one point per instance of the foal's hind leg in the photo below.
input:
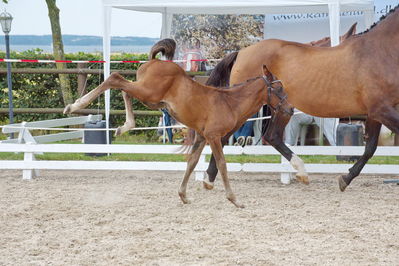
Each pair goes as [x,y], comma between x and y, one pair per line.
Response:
[217,150]
[372,132]
[212,170]
[113,81]
[130,123]
[196,150]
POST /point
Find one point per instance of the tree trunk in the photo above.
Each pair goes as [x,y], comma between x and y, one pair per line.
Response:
[58,50]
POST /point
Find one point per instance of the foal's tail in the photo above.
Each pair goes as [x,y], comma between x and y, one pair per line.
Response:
[166,46]
[220,77]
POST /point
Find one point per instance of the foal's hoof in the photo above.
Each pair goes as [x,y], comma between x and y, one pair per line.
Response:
[126,127]
[232,198]
[118,131]
[237,204]
[342,184]
[304,179]
[68,109]
[184,198]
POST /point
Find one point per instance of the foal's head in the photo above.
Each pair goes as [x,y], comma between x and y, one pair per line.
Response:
[276,96]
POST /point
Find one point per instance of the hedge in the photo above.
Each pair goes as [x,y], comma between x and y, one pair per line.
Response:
[43,90]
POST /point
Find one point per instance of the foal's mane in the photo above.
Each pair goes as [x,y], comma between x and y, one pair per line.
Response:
[225,88]
[239,84]
[381,19]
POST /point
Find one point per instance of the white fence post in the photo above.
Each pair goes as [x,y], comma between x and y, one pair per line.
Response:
[200,175]
[285,177]
[28,174]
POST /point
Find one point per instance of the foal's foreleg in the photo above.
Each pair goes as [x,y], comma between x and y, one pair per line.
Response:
[274,135]
[196,150]
[130,122]
[373,128]
[212,170]
[217,150]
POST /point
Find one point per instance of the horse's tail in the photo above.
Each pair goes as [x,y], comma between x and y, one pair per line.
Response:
[166,46]
[220,77]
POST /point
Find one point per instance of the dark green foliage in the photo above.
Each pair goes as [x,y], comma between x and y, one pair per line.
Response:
[43,90]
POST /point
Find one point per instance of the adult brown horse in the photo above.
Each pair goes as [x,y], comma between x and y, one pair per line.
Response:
[211,112]
[357,77]
[220,77]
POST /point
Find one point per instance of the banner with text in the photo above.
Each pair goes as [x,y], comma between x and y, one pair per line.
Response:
[309,27]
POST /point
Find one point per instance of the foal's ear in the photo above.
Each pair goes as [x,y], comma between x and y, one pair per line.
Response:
[267,73]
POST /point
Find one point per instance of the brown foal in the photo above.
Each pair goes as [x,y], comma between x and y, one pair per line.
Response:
[211,112]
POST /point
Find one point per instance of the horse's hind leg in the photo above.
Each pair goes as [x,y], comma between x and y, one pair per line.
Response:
[372,132]
[212,170]
[388,116]
[130,123]
[196,150]
[274,135]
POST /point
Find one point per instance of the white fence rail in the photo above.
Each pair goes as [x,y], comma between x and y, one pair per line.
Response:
[25,136]
[29,164]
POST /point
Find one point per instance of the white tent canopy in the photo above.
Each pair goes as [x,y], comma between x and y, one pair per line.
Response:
[168,8]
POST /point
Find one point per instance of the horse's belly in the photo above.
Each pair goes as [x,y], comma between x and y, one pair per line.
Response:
[335,110]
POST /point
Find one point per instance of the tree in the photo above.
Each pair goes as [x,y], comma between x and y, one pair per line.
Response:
[219,34]
[58,50]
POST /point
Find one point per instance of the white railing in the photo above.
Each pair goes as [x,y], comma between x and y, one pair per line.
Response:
[24,135]
[29,164]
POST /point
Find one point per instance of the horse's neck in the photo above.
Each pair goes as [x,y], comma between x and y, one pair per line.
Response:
[386,28]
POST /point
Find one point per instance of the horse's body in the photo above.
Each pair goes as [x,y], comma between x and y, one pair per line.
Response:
[211,112]
[315,78]
[358,77]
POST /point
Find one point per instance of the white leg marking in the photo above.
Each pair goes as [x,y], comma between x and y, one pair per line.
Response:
[298,165]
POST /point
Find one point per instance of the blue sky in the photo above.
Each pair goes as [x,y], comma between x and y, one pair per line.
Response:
[81,17]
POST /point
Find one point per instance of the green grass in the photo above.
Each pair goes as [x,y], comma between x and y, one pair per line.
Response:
[181,158]
[142,139]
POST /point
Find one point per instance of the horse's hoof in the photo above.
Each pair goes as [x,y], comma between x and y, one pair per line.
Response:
[303,179]
[67,109]
[207,185]
[342,184]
